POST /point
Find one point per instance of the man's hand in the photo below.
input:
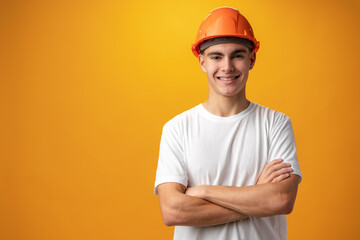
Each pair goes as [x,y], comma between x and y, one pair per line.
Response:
[198,191]
[275,171]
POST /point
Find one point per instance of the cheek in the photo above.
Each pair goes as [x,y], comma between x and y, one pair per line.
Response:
[244,67]
[210,69]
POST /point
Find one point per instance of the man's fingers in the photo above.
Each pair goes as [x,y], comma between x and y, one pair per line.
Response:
[280,178]
[273,162]
[282,171]
[279,166]
[269,168]
[275,170]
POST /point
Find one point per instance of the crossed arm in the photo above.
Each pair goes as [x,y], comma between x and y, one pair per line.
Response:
[207,205]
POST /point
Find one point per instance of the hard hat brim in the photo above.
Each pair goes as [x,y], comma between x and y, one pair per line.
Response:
[195,46]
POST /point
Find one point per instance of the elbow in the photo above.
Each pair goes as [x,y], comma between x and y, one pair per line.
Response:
[287,208]
[168,219]
[283,198]
[170,216]
[168,222]
[286,204]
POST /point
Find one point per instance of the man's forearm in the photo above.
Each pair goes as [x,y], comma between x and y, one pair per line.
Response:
[198,212]
[183,210]
[259,200]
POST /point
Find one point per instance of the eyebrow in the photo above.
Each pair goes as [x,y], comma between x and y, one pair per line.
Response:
[221,54]
[215,53]
[238,51]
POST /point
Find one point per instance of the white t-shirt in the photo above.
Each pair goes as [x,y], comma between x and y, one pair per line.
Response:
[200,148]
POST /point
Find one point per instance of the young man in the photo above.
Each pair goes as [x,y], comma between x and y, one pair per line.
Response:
[228,167]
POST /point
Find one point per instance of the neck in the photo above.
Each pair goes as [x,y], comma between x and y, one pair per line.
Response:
[226,106]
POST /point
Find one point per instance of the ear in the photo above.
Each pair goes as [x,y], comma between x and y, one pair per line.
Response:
[252,59]
[201,59]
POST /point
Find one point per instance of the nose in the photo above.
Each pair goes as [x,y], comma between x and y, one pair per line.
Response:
[227,65]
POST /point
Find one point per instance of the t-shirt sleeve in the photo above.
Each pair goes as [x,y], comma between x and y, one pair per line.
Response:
[282,144]
[171,167]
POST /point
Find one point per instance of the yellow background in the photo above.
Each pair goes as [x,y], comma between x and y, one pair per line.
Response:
[87,85]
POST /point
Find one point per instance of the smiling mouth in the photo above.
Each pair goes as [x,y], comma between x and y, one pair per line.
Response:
[228,78]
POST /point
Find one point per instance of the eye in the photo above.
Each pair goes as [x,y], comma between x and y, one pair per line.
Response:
[238,56]
[215,57]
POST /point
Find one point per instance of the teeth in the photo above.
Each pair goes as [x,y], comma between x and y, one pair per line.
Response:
[226,79]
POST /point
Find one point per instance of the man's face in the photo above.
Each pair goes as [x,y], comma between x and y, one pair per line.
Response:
[227,67]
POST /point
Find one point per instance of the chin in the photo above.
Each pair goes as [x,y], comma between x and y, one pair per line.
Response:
[230,94]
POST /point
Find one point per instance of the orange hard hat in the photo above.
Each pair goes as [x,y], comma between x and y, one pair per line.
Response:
[224,22]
